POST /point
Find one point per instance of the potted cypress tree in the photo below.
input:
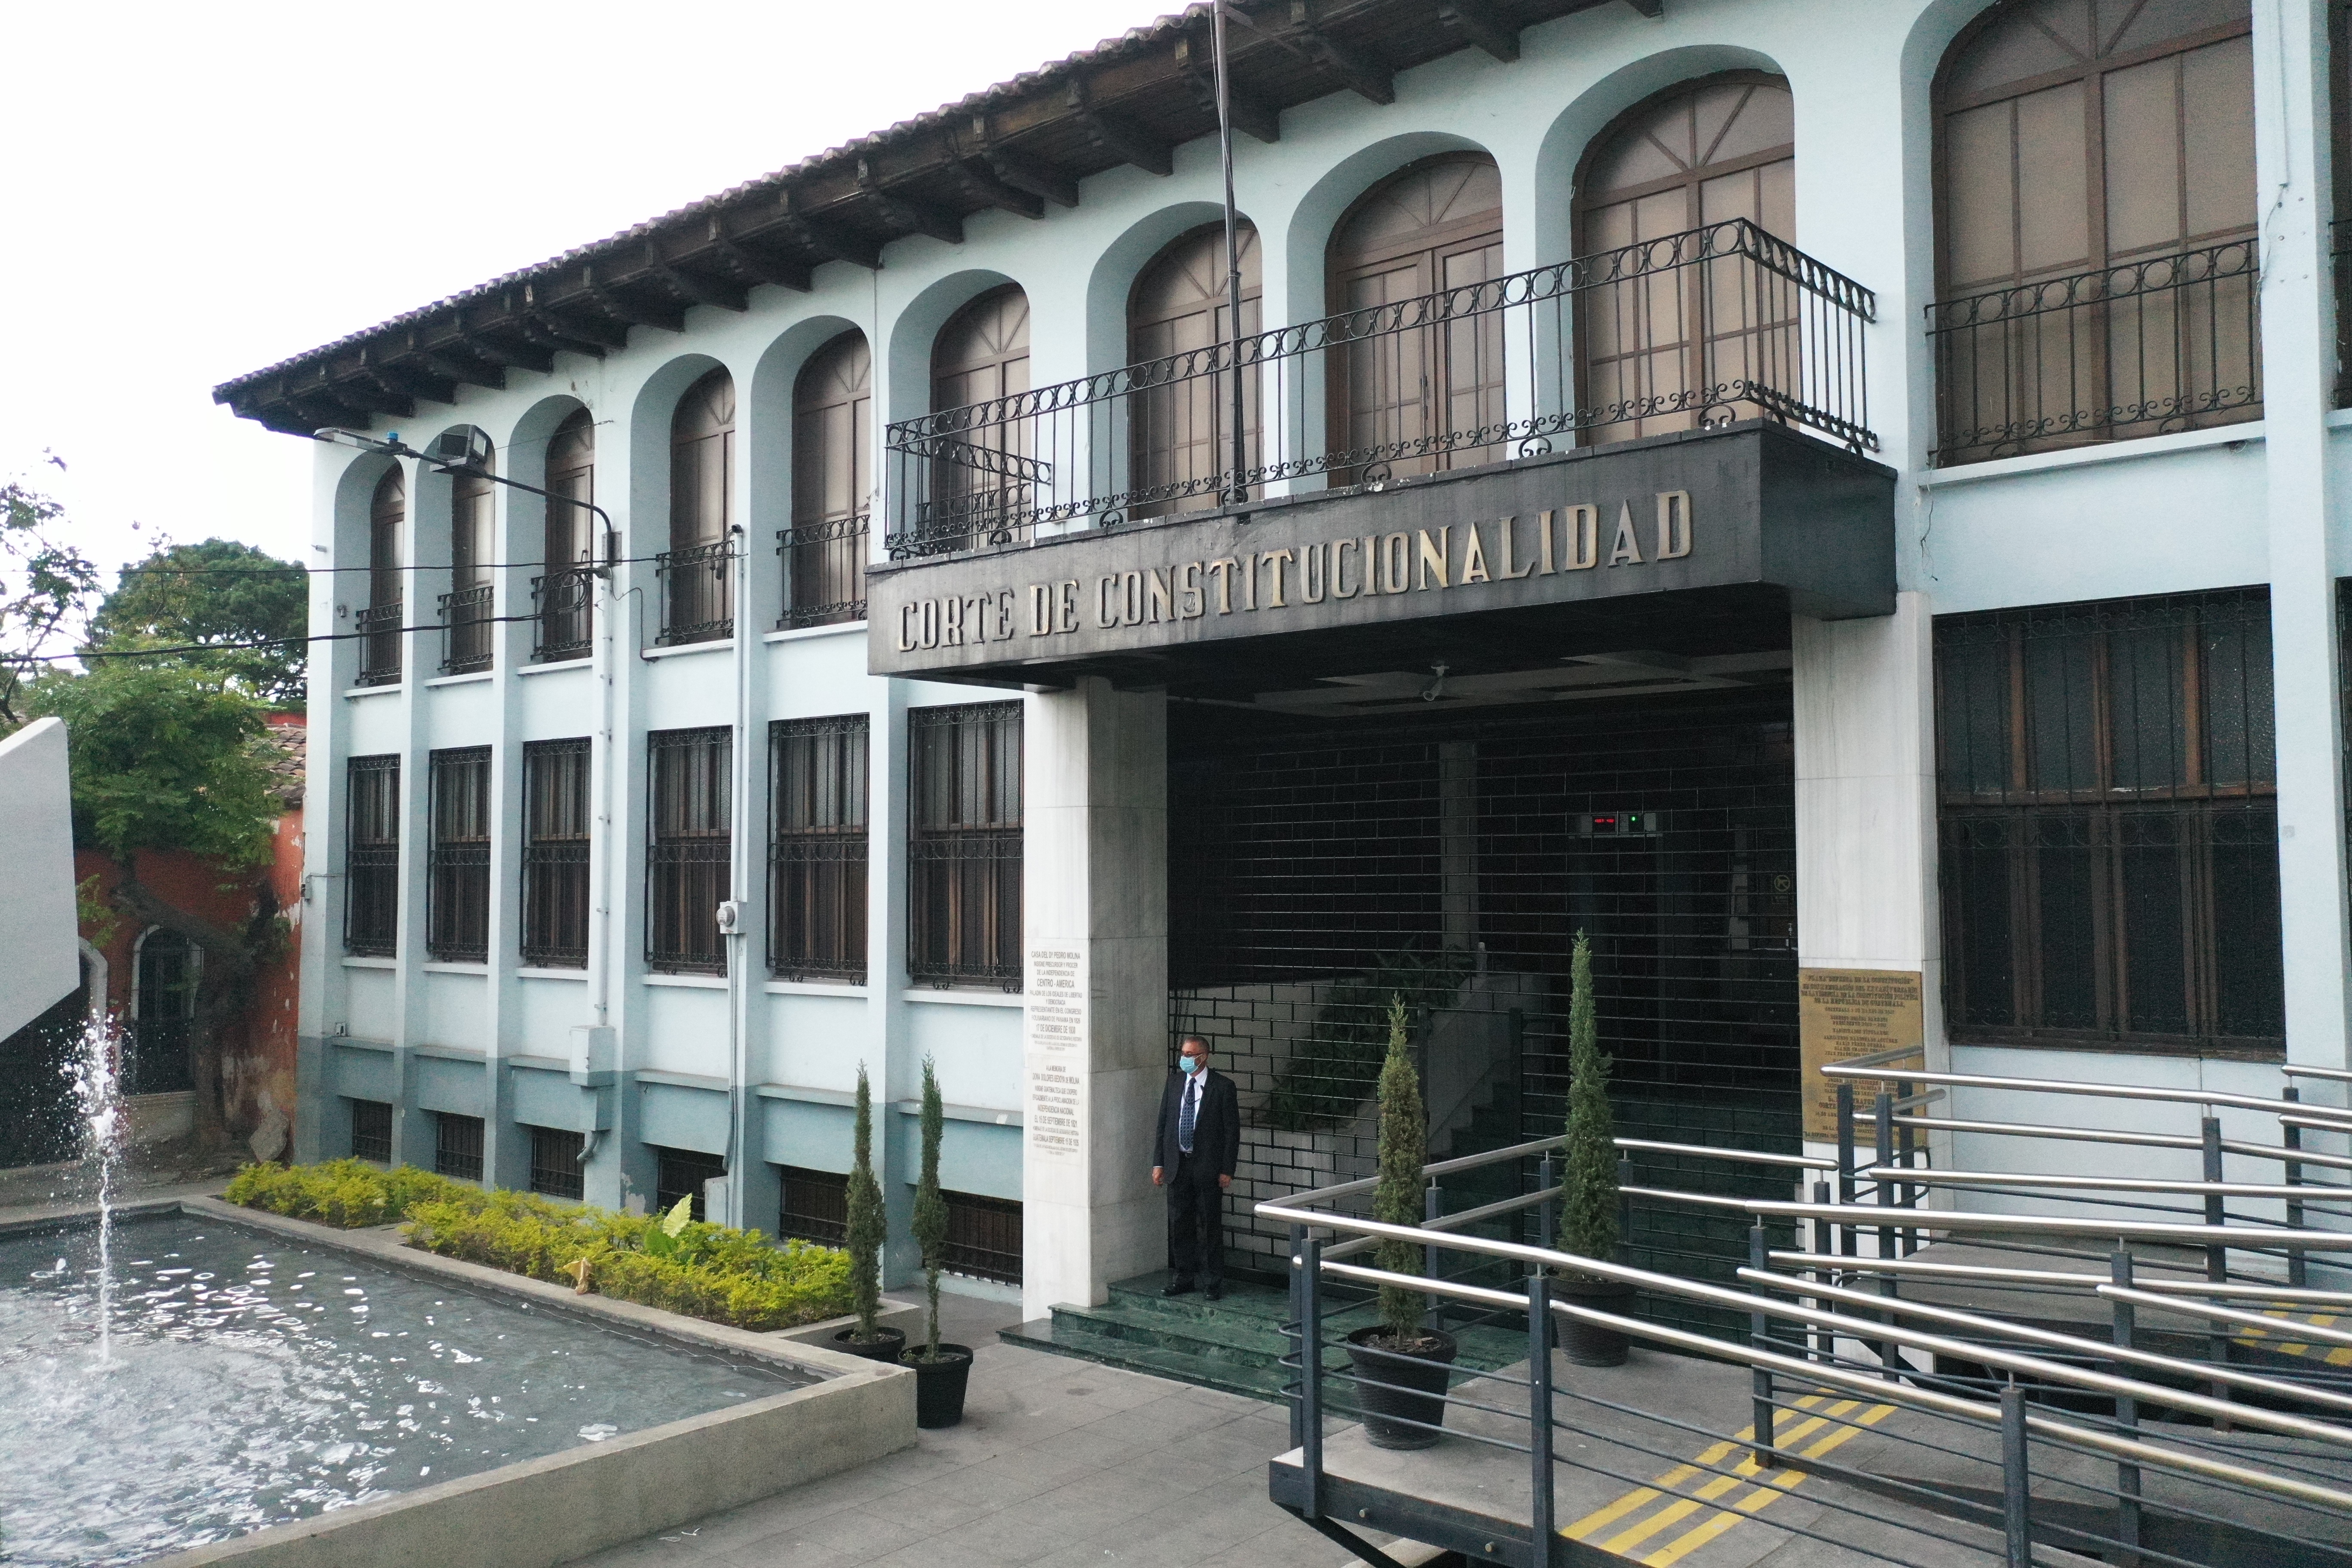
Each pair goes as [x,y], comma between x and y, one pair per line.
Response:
[1587,1219]
[941,1370]
[867,1229]
[1401,1365]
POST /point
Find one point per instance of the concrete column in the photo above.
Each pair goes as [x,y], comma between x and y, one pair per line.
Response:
[1866,800]
[2298,333]
[1096,1052]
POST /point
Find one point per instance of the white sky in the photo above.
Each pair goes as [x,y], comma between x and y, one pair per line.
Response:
[191,191]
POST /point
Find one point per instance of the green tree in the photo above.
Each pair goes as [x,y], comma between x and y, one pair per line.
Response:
[1396,1197]
[868,1226]
[1588,1221]
[217,593]
[45,585]
[930,1218]
[168,758]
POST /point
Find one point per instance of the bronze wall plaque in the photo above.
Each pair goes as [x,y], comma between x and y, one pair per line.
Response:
[1843,1013]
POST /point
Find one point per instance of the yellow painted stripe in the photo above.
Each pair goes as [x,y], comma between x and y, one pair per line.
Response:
[1641,1496]
[1776,1486]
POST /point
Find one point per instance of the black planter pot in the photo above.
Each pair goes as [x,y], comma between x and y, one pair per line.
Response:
[939,1385]
[1588,1343]
[885,1346]
[1414,1388]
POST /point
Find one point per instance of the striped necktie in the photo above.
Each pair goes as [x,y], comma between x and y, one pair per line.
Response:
[1184,1116]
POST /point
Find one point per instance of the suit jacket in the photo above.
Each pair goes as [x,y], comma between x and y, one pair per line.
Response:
[1216,1130]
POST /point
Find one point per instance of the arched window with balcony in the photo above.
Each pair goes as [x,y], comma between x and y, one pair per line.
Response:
[565,592]
[1417,385]
[697,571]
[986,481]
[833,483]
[1674,202]
[387,515]
[466,608]
[2096,215]
[1180,420]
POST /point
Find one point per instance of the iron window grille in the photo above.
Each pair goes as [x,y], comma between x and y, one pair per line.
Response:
[817,848]
[465,630]
[155,1049]
[814,1207]
[555,1163]
[371,1130]
[983,1237]
[372,859]
[964,846]
[690,815]
[458,1146]
[2109,825]
[563,614]
[380,644]
[556,853]
[679,1174]
[1694,329]
[457,885]
[697,592]
[824,566]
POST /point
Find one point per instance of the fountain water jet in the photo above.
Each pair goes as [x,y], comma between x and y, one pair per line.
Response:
[97,1088]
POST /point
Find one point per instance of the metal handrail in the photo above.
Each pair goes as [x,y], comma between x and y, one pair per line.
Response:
[2096,1091]
[2312,1192]
[1988,1273]
[1536,1146]
[2112,1135]
[1874,1216]
[2227,1315]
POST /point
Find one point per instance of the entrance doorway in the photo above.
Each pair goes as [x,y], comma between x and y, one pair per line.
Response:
[1318,867]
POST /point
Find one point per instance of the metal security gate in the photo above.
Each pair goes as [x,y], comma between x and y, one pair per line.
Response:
[1318,867]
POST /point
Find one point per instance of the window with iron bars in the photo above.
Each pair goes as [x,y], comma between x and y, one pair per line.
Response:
[458,1146]
[817,848]
[679,1174]
[372,859]
[2109,825]
[689,845]
[556,853]
[371,1130]
[555,1163]
[983,1237]
[814,1207]
[964,846]
[457,888]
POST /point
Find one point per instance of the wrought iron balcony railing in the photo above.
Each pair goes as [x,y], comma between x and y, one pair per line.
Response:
[563,614]
[825,571]
[1691,329]
[698,587]
[465,630]
[2172,342]
[380,645]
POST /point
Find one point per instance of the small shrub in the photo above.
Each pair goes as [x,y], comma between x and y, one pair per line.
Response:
[1396,1198]
[349,1194]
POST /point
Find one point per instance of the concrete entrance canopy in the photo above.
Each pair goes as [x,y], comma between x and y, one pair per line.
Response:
[1696,543]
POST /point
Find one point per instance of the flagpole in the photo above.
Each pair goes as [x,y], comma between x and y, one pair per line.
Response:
[1238,489]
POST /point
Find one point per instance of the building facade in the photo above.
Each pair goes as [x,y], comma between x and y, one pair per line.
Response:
[1839,504]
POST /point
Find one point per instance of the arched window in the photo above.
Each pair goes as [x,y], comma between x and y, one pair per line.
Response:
[697,585]
[1179,439]
[465,611]
[1413,399]
[2095,220]
[162,1014]
[564,591]
[1656,351]
[833,482]
[380,649]
[981,488]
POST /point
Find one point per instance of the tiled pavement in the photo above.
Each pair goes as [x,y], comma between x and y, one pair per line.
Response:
[1058,1463]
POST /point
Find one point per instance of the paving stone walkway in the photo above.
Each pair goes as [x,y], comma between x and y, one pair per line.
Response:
[1058,1463]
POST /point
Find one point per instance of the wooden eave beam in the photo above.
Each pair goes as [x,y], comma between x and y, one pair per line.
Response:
[1119,136]
[334,403]
[1368,76]
[825,241]
[1035,175]
[758,265]
[914,216]
[695,289]
[1262,120]
[1654,9]
[405,380]
[540,323]
[1476,21]
[502,354]
[467,369]
[629,312]
[980,181]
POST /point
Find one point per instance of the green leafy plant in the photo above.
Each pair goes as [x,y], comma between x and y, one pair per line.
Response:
[216,596]
[662,1236]
[351,1193]
[1396,1198]
[1339,1064]
[868,1226]
[1588,1225]
[930,1218]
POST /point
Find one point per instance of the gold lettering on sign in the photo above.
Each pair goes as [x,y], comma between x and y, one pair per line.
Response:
[1433,557]
[1474,559]
[1130,599]
[1005,615]
[1543,525]
[928,623]
[1224,570]
[1372,564]
[1843,1014]
[1041,610]
[1625,550]
[1674,525]
[951,622]
[906,628]
[1190,599]
[1339,548]
[1159,596]
[1584,528]
[1314,575]
[1066,614]
[1396,564]
[1509,528]
[1249,582]
[1104,616]
[1278,559]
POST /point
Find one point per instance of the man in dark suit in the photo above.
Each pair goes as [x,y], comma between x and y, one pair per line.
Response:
[1194,1153]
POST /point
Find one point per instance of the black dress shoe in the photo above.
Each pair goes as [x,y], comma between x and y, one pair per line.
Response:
[1214,1291]
[1177,1288]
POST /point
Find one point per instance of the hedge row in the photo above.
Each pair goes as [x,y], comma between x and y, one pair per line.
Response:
[717,1273]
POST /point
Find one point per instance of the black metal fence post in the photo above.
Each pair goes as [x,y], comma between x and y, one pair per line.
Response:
[1299,1318]
[1624,1210]
[1432,1209]
[2016,1480]
[1883,1115]
[2217,1255]
[1541,1496]
[1310,1372]
[2119,1269]
[1845,1140]
[1548,1211]
[1760,1336]
[1824,1246]
[2298,1265]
